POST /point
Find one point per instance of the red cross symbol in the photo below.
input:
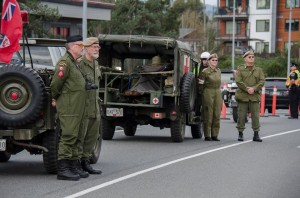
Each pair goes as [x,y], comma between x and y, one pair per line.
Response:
[155,100]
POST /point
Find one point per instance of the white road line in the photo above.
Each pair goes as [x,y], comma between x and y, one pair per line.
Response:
[84,192]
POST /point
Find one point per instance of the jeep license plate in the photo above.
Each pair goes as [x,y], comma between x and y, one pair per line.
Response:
[114,112]
[2,144]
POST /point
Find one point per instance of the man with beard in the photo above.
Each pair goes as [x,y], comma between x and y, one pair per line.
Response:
[91,121]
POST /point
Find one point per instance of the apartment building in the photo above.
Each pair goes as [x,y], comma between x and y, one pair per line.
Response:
[71,12]
[260,24]
[283,25]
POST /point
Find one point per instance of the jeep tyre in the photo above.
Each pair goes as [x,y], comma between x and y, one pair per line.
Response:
[22,95]
[4,156]
[96,150]
[178,128]
[107,129]
[188,92]
[196,131]
[50,141]
[130,130]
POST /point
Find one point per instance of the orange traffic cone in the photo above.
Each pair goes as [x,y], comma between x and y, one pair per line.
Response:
[223,113]
[274,102]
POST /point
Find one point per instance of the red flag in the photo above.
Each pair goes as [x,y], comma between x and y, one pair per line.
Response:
[11,30]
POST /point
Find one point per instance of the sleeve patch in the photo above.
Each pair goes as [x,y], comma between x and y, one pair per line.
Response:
[60,74]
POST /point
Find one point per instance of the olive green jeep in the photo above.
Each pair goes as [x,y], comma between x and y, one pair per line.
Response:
[27,119]
[163,95]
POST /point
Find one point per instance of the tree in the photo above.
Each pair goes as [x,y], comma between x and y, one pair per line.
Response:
[38,12]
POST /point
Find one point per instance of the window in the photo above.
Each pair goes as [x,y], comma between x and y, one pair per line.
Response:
[286,45]
[263,4]
[61,32]
[262,25]
[229,26]
[229,3]
[295,3]
[262,47]
[294,25]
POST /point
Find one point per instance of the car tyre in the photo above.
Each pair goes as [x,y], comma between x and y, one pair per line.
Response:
[107,129]
[178,129]
[188,92]
[22,95]
[4,156]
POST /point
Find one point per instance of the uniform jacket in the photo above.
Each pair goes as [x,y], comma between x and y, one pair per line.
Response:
[92,73]
[211,78]
[246,77]
[295,75]
[67,77]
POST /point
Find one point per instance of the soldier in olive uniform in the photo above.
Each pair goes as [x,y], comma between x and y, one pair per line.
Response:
[68,96]
[91,121]
[212,99]
[250,80]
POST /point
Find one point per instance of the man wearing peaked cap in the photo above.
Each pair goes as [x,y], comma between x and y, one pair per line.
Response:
[90,41]
[91,122]
[250,52]
[72,39]
[292,83]
[250,79]
[68,96]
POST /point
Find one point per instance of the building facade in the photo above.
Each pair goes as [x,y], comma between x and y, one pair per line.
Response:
[71,12]
[260,24]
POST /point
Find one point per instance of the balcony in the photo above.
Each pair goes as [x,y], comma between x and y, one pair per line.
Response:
[226,13]
[229,37]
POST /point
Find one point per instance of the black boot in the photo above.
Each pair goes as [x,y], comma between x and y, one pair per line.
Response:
[240,138]
[215,139]
[77,169]
[85,164]
[256,137]
[64,172]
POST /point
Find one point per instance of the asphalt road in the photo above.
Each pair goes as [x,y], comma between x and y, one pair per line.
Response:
[150,165]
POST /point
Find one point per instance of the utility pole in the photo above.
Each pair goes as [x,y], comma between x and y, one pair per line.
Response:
[289,43]
[204,25]
[84,20]
[233,35]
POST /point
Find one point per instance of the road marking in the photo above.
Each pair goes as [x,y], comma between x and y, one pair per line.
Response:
[84,192]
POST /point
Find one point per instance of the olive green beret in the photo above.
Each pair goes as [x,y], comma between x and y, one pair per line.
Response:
[250,52]
[90,41]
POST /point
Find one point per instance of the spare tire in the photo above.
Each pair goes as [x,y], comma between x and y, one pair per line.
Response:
[22,95]
[188,92]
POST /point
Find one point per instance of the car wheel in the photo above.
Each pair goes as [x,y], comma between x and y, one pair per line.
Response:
[178,129]
[4,156]
[22,95]
[196,131]
[96,151]
[107,129]
[188,92]
[130,130]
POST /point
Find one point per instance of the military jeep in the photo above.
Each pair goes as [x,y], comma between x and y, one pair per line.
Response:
[27,119]
[163,96]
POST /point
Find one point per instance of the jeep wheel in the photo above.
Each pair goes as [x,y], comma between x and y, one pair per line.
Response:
[178,129]
[107,129]
[96,150]
[130,130]
[50,141]
[188,92]
[196,131]
[22,94]
[4,156]
[234,114]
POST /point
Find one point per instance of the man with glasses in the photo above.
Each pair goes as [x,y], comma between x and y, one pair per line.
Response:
[250,79]
[91,122]
[68,96]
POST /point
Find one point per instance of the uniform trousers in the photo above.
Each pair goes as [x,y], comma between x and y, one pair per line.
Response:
[253,108]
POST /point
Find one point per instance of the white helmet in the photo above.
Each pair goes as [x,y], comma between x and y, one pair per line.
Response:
[204,55]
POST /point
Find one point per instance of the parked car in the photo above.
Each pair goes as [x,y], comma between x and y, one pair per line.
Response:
[282,99]
[27,119]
